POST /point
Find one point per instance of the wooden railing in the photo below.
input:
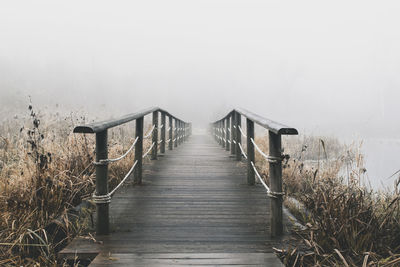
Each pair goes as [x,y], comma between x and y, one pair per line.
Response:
[178,129]
[228,133]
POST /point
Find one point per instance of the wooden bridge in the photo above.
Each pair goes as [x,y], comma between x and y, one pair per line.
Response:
[194,206]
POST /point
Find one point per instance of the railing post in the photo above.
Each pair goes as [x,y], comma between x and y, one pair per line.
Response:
[171,142]
[155,136]
[184,132]
[227,146]
[139,150]
[222,133]
[238,122]
[275,170]
[176,133]
[102,209]
[250,152]
[179,132]
[232,133]
[163,130]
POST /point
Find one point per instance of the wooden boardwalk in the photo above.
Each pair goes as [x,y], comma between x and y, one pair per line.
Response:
[194,208]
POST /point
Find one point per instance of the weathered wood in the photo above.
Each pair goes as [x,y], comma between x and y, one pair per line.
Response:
[171,142]
[222,133]
[163,133]
[155,136]
[250,152]
[193,200]
[139,150]
[102,209]
[176,133]
[227,135]
[188,259]
[104,125]
[233,138]
[238,135]
[275,177]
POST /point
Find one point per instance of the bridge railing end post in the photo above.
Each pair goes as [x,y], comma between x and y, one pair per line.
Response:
[102,207]
[275,170]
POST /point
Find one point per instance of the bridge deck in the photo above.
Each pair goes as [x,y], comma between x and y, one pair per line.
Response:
[194,208]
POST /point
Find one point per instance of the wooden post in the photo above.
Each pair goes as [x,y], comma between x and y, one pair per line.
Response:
[139,150]
[176,133]
[155,136]
[179,132]
[163,131]
[184,131]
[275,170]
[232,134]
[238,122]
[171,142]
[102,209]
[250,152]
[222,133]
[227,145]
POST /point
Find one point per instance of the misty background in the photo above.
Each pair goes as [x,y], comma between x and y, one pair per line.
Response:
[323,67]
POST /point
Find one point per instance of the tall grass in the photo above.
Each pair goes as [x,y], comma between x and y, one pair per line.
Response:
[44,171]
[347,223]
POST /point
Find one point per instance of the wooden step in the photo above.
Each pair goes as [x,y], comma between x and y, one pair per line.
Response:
[187,259]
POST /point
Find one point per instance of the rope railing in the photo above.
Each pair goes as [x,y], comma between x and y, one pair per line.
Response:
[148,151]
[270,193]
[268,158]
[228,130]
[150,132]
[105,161]
[241,131]
[104,199]
[241,149]
[102,196]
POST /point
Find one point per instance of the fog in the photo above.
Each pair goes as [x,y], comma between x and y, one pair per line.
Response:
[323,67]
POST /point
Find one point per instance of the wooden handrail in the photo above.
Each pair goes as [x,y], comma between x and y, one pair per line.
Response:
[227,132]
[102,195]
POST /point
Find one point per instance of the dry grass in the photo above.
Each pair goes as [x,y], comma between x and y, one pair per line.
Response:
[44,171]
[347,224]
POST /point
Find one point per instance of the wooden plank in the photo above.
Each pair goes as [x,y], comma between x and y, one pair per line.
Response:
[193,200]
[188,259]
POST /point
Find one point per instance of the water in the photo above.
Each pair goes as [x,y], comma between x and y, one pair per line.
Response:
[382,160]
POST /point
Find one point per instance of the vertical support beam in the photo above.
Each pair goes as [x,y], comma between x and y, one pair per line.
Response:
[179,132]
[250,152]
[227,125]
[232,134]
[222,133]
[163,131]
[102,209]
[275,170]
[139,150]
[238,122]
[184,131]
[155,136]
[171,142]
[176,133]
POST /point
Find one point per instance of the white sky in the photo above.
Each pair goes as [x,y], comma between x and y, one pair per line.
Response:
[316,65]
